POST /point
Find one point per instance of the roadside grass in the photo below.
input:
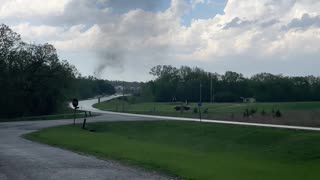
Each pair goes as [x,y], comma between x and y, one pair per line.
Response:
[42,118]
[218,108]
[293,113]
[192,150]
[64,112]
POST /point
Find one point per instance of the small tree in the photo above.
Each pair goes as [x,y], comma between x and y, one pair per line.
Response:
[278,114]
[246,113]
[195,110]
[253,111]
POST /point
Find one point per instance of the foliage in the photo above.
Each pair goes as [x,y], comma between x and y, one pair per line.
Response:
[184,84]
[195,110]
[278,114]
[88,87]
[33,81]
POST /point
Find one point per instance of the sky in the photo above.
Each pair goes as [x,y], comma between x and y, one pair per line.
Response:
[124,39]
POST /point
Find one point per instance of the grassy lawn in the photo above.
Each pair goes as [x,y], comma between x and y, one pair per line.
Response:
[194,150]
[50,117]
[294,113]
[215,108]
[65,112]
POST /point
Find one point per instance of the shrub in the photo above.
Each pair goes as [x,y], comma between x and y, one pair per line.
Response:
[253,111]
[246,113]
[278,114]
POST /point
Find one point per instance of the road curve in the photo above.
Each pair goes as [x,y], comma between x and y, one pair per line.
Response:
[87,105]
[21,159]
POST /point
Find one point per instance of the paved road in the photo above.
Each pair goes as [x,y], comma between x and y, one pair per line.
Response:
[87,105]
[21,159]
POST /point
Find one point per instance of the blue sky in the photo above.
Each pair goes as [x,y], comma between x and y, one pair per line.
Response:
[205,11]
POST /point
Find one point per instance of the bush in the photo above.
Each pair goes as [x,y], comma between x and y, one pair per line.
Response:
[177,108]
[195,110]
[278,114]
[253,111]
[246,113]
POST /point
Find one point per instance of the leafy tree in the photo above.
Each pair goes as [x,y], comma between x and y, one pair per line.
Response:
[183,83]
[33,81]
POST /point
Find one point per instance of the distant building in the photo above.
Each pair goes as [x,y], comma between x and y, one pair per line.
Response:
[248,100]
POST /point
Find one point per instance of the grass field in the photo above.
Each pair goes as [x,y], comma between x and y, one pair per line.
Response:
[64,112]
[41,118]
[295,113]
[194,150]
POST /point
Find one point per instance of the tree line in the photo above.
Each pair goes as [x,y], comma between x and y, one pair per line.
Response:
[88,87]
[171,83]
[34,81]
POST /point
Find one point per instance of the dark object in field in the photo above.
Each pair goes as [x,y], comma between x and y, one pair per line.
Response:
[249,113]
[263,112]
[253,111]
[179,108]
[195,110]
[278,114]
[85,119]
[246,113]
[206,111]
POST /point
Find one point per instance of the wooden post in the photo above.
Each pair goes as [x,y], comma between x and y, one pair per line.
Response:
[74,116]
[84,120]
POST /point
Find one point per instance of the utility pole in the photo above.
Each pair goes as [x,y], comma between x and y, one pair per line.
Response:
[200,92]
[122,96]
[200,101]
[211,94]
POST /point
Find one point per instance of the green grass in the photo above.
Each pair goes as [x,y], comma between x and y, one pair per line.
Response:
[197,150]
[64,112]
[42,118]
[293,113]
[216,108]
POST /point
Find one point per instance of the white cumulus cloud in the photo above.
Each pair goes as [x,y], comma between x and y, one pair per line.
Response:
[256,30]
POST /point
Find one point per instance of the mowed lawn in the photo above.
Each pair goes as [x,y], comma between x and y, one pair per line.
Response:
[194,150]
[293,113]
[215,108]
